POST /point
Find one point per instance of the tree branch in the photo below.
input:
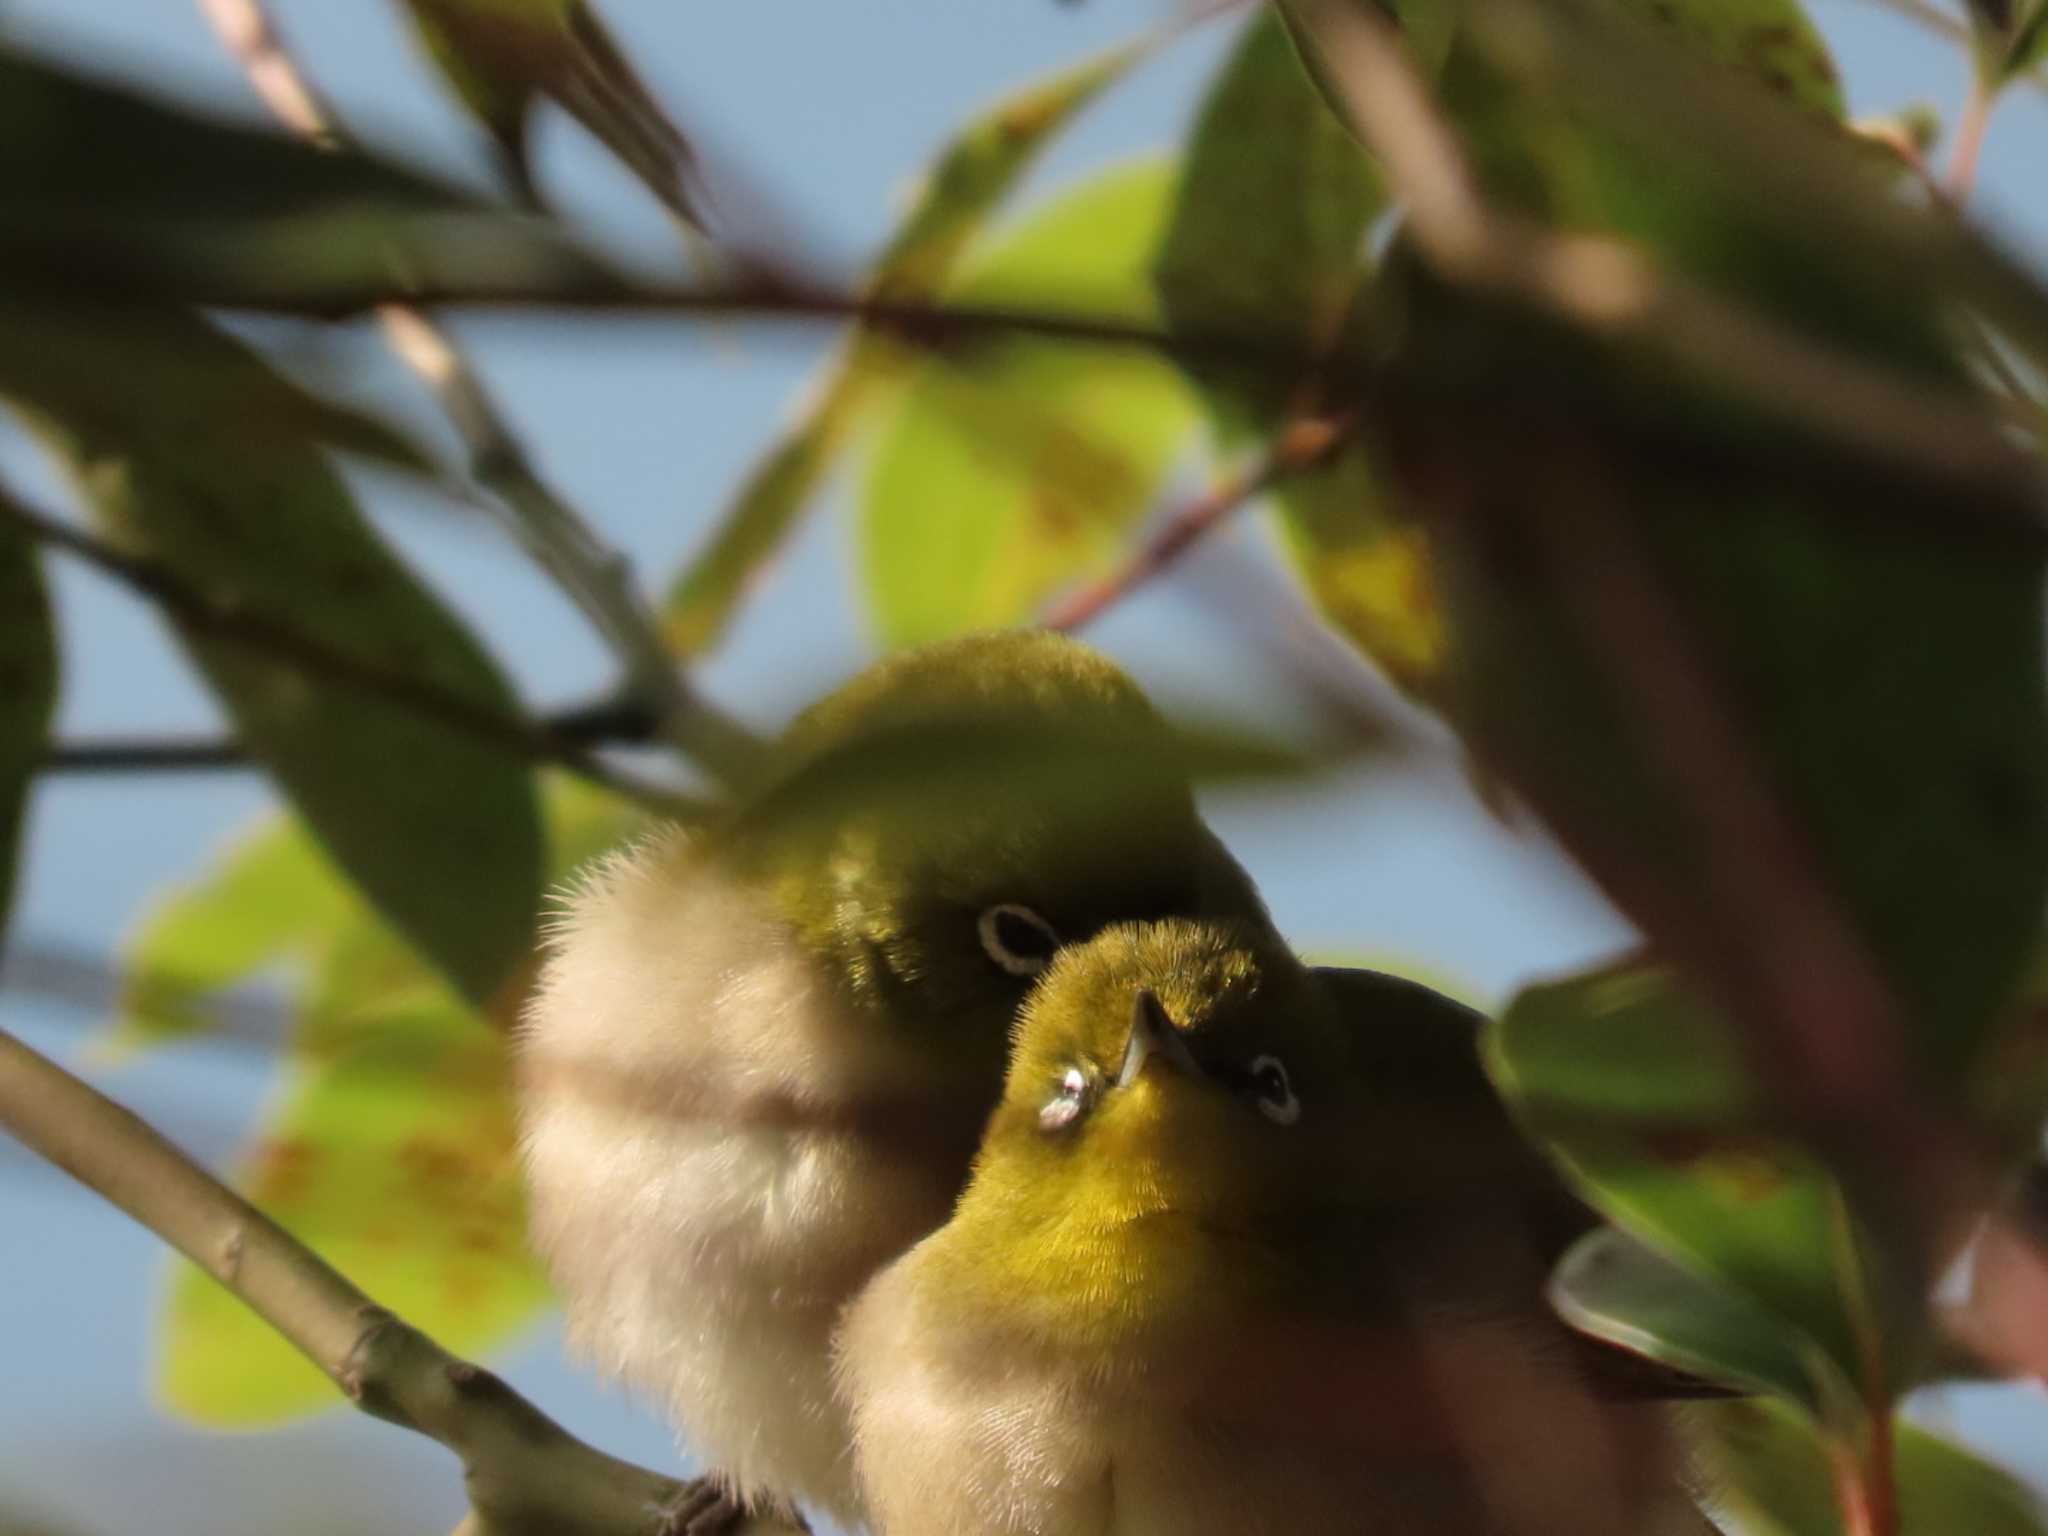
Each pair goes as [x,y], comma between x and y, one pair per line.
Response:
[607,723]
[563,543]
[525,1474]
[238,625]
[1299,446]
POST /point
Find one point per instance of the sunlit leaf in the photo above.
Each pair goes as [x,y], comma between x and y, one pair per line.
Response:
[436,823]
[390,1147]
[1614,1288]
[1770,1468]
[1005,475]
[972,178]
[1267,235]
[28,690]
[1643,1096]
[106,193]
[503,56]
[1366,567]
[272,895]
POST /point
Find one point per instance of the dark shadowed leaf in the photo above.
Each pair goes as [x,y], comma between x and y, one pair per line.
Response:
[390,1150]
[1774,1471]
[504,56]
[1267,235]
[972,178]
[105,193]
[1615,1288]
[437,824]
[28,690]
[1008,473]
[1642,1095]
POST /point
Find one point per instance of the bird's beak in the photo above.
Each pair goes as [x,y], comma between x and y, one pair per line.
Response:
[1153,1037]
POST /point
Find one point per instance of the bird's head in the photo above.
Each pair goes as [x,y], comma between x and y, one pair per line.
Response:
[943,825]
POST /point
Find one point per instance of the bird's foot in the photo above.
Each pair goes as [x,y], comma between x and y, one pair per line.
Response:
[708,1506]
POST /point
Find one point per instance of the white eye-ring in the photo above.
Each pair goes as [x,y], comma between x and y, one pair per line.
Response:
[1017,938]
[1276,1098]
[1065,1107]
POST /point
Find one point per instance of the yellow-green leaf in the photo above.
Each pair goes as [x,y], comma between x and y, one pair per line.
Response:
[272,896]
[436,823]
[1004,475]
[28,689]
[971,179]
[389,1149]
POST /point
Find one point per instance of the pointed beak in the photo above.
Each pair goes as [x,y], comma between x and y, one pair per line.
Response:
[1154,1037]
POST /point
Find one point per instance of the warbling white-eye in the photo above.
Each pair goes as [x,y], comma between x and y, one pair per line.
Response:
[761,1055]
[1244,1251]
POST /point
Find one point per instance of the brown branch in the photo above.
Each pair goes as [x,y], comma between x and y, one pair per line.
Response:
[524,1473]
[261,635]
[1298,447]
[562,542]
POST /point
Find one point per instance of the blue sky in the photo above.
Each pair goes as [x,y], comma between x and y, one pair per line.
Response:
[830,107]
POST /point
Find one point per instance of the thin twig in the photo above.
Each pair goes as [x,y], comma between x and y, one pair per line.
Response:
[1961,178]
[1300,446]
[562,542]
[1605,287]
[524,1473]
[609,723]
[263,636]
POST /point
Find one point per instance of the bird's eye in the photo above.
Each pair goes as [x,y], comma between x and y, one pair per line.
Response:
[1272,1092]
[1065,1107]
[1017,939]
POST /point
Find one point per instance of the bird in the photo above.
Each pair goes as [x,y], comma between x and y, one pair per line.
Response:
[1216,1270]
[759,1054]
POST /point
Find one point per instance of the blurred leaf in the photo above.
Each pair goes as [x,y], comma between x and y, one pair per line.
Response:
[1770,1467]
[503,56]
[1642,1095]
[2009,38]
[390,1149]
[974,175]
[1007,474]
[1366,567]
[438,826]
[1615,1288]
[273,895]
[28,691]
[105,193]
[1267,236]
[1773,40]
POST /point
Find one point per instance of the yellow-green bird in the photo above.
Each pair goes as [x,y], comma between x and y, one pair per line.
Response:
[761,1055]
[1243,1252]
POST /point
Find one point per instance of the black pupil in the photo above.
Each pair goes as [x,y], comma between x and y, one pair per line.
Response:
[1272,1082]
[1021,937]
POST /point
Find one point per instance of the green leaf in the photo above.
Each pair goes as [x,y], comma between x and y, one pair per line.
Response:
[1773,1470]
[390,1147]
[274,894]
[108,193]
[1007,474]
[437,825]
[973,177]
[1267,236]
[503,56]
[1616,1289]
[1642,1095]
[1367,568]
[1773,40]
[28,690]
